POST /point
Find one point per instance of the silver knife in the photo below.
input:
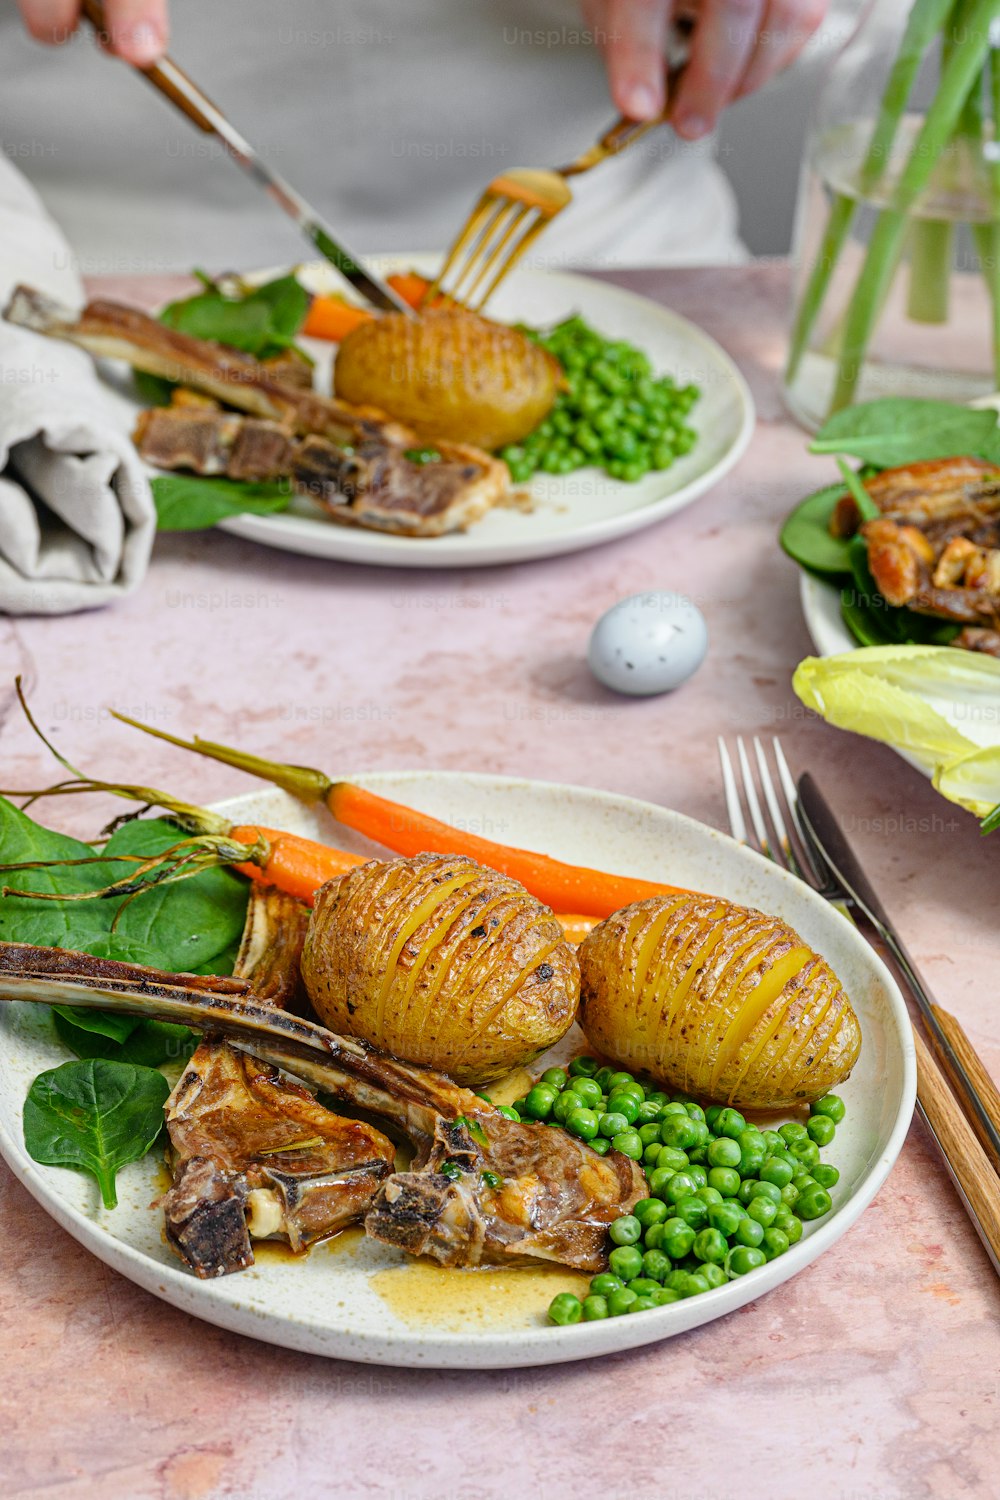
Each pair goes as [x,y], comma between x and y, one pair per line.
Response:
[186,96]
[831,845]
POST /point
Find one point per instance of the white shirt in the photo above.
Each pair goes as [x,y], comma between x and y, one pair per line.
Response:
[389,115]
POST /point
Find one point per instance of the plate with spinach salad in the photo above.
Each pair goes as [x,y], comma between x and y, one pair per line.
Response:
[843,606]
[81,1099]
[653,414]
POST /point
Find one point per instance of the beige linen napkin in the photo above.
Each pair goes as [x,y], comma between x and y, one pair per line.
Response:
[76,514]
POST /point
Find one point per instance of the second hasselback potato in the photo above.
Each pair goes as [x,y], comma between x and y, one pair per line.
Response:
[718,1000]
[450,375]
[441,961]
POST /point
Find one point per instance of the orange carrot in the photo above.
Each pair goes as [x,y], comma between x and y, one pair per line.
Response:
[409,285]
[294,864]
[562,886]
[575,926]
[333,318]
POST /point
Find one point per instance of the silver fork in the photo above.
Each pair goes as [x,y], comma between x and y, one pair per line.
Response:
[783,838]
[793,850]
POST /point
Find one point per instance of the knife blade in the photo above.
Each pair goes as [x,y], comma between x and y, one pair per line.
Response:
[185,95]
[831,844]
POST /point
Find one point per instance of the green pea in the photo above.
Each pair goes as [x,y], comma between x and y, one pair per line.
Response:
[711,1245]
[726,1180]
[752,1153]
[730,1123]
[813,1203]
[696,1112]
[653,1236]
[657,1264]
[583,1067]
[642,1304]
[712,1114]
[613,1122]
[746,1191]
[803,1180]
[806,1153]
[681,1185]
[650,1211]
[657,1097]
[708,1195]
[564,1106]
[698,1175]
[793,1131]
[789,1194]
[625,1261]
[624,1104]
[620,1078]
[538,1102]
[773,1142]
[507,1112]
[774,1243]
[679,1131]
[594,1309]
[792,1230]
[766,1190]
[603,1284]
[676,1238]
[696,1154]
[692,1284]
[558,1077]
[776,1170]
[649,1133]
[565,1309]
[748,1232]
[629,1144]
[665,1295]
[723,1152]
[643,1286]
[626,1230]
[599,1144]
[582,1123]
[692,1210]
[762,1210]
[743,1258]
[821,1129]
[620,1302]
[725,1217]
[651,1156]
[713,1273]
[603,1076]
[825,1175]
[831,1105]
[588,1091]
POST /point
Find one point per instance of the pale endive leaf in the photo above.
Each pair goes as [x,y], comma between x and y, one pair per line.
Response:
[937,704]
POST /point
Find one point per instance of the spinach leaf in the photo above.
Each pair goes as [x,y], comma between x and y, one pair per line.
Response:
[148,1044]
[188,502]
[153,389]
[107,1026]
[263,323]
[867,509]
[175,927]
[805,535]
[94,1116]
[897,430]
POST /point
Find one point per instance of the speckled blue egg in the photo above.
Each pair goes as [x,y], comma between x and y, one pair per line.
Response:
[648,643]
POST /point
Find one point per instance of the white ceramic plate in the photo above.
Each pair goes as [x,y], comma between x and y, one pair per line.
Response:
[357,1300]
[571,512]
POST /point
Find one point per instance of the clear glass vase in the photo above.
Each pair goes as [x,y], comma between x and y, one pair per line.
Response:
[897,245]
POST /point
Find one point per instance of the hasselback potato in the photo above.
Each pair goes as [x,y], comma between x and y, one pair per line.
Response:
[718,1000]
[450,375]
[441,961]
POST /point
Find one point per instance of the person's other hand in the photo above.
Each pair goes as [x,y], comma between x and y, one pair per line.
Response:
[736,46]
[137,29]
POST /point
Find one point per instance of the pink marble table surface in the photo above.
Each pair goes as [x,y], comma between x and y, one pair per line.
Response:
[873,1375]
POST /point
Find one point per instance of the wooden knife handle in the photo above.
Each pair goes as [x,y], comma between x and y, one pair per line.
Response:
[973,1064]
[966,1157]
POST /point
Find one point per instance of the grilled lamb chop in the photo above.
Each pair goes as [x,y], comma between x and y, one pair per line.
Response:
[483,1190]
[374,484]
[253,1155]
[353,460]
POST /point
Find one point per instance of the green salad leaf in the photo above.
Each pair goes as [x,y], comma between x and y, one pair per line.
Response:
[189,502]
[148,1044]
[898,430]
[94,1116]
[805,535]
[263,323]
[914,698]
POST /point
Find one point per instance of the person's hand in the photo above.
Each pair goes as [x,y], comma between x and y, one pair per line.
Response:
[736,46]
[137,29]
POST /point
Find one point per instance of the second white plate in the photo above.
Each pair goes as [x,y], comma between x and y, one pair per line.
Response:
[568,512]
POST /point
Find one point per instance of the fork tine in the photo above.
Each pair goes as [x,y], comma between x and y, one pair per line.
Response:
[737,826]
[472,228]
[492,229]
[514,255]
[753,802]
[783,843]
[489,255]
